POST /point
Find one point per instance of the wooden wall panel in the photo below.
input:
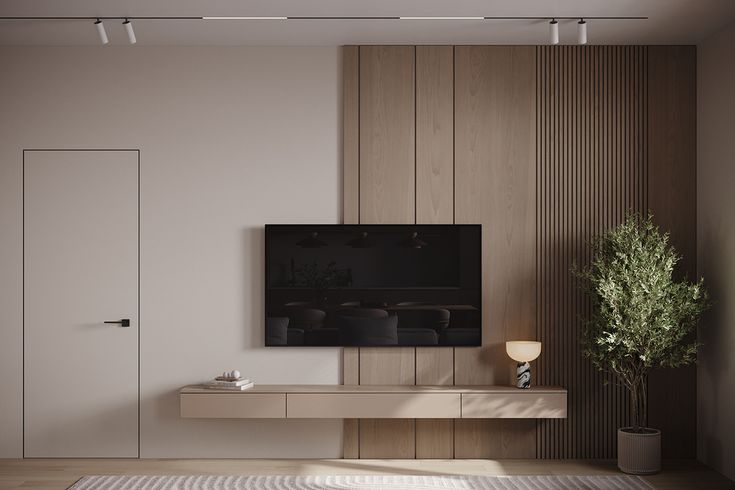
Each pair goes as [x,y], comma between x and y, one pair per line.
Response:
[387,438]
[672,185]
[434,204]
[591,170]
[434,134]
[495,119]
[350,210]
[387,135]
[350,134]
[550,147]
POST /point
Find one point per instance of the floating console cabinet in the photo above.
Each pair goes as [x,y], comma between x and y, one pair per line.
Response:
[374,402]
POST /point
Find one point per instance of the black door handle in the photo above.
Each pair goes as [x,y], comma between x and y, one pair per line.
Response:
[125,322]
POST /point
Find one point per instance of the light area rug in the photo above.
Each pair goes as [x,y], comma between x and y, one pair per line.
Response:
[361,482]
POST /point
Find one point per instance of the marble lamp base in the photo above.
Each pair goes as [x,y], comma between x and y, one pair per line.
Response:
[523,375]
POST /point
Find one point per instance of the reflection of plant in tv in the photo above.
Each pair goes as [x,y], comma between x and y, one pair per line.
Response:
[320,279]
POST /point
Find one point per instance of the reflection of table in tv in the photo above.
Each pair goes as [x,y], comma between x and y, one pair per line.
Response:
[433,307]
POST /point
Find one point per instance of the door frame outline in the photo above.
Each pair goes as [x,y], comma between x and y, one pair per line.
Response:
[23,282]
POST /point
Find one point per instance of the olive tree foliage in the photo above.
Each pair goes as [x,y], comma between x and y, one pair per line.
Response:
[642,318]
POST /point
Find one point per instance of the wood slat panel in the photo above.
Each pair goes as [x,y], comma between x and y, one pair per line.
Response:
[351,212]
[434,366]
[434,438]
[387,134]
[382,438]
[434,134]
[495,106]
[351,134]
[434,204]
[494,438]
[591,169]
[672,187]
[351,427]
[387,195]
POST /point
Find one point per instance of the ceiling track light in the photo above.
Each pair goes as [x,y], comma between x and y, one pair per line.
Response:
[554,31]
[129,29]
[101,32]
[581,32]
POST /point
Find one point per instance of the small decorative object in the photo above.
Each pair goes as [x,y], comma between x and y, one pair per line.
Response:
[233,375]
[641,319]
[523,352]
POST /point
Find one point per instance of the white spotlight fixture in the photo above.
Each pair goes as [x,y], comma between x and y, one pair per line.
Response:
[554,32]
[131,33]
[581,32]
[101,32]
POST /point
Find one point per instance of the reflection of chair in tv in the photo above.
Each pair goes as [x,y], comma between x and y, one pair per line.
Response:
[303,318]
[421,326]
[368,330]
[329,335]
[278,333]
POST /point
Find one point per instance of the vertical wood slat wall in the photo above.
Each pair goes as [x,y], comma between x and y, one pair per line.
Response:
[549,147]
[592,169]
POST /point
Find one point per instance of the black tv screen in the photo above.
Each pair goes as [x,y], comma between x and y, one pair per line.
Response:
[373,285]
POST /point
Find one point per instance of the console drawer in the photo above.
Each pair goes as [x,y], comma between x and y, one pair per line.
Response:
[528,405]
[234,405]
[374,405]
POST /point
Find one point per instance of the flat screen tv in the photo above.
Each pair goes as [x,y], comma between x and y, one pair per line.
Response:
[373,285]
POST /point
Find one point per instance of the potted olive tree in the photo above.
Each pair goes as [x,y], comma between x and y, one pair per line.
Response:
[641,319]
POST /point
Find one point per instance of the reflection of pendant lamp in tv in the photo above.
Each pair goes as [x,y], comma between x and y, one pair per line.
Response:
[360,241]
[312,241]
[523,352]
[413,241]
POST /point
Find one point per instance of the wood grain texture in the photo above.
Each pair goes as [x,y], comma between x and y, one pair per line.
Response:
[591,170]
[387,438]
[434,134]
[350,366]
[351,212]
[434,366]
[351,134]
[495,108]
[351,427]
[434,204]
[434,439]
[387,134]
[380,437]
[672,186]
[494,439]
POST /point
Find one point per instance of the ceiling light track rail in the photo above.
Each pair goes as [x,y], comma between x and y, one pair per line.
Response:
[313,17]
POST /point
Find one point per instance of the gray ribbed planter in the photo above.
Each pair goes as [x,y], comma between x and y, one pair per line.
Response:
[639,453]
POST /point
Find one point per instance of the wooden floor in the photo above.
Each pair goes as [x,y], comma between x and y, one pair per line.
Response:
[60,473]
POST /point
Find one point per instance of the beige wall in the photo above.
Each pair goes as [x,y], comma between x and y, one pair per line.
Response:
[230,139]
[716,244]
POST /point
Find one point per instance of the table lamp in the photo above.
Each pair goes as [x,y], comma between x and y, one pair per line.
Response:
[523,351]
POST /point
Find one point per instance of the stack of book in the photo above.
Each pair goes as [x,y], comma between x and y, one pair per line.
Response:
[227,383]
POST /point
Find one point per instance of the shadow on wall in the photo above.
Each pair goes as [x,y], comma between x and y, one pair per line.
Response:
[718,269]
[253,249]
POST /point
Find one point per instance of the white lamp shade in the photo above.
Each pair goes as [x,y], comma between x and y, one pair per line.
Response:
[523,350]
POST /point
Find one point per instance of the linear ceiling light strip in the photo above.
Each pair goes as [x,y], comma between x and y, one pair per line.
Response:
[311,17]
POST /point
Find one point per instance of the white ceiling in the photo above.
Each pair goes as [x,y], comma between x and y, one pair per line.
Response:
[670,21]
